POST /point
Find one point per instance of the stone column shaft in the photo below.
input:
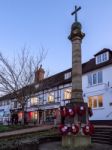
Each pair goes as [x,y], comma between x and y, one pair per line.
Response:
[76,70]
[76,37]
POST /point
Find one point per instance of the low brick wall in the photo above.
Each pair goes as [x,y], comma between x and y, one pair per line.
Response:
[29,143]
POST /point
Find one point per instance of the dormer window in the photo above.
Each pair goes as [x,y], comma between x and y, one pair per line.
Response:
[67,75]
[102,58]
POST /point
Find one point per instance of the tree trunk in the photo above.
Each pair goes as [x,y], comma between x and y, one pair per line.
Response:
[24,117]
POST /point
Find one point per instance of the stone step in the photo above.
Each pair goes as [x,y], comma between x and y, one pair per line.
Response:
[101,142]
[102,132]
[105,130]
[101,135]
[101,138]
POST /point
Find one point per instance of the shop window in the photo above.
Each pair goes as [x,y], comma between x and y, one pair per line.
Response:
[51,97]
[33,115]
[67,93]
[20,116]
[50,115]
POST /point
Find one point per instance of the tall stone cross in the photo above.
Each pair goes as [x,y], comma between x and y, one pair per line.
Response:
[69,140]
[75,12]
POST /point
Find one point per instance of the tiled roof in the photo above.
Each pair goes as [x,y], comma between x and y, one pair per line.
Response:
[103,51]
[58,79]
[54,81]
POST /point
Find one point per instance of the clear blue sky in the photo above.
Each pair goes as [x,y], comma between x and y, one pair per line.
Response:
[47,23]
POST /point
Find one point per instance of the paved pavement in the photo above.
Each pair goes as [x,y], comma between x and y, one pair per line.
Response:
[50,146]
[28,130]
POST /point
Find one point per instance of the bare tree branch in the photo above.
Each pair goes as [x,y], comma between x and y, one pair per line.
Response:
[17,77]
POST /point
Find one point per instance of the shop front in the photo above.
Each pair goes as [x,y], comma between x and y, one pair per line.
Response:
[29,117]
[51,115]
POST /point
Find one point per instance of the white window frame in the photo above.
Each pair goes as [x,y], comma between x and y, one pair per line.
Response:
[51,97]
[67,93]
[96,97]
[67,75]
[102,58]
[34,101]
[99,78]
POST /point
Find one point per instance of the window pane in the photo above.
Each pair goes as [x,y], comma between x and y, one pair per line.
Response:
[90,80]
[15,104]
[34,101]
[67,94]
[51,97]
[95,78]
[104,57]
[100,101]
[100,79]
[94,103]
[98,59]
[41,99]
[67,75]
[90,102]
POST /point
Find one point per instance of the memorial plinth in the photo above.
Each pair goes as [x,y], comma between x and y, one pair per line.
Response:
[76,141]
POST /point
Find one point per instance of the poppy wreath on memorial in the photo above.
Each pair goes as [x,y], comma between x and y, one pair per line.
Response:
[81,110]
[88,129]
[63,129]
[71,112]
[75,129]
[90,112]
[64,112]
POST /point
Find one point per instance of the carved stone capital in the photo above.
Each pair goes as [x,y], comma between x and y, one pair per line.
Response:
[76,32]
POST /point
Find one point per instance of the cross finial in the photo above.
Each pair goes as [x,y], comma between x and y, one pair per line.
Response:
[75,12]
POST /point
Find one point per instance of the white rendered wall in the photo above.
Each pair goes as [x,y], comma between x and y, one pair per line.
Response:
[103,89]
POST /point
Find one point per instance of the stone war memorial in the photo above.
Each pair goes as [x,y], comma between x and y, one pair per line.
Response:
[76,129]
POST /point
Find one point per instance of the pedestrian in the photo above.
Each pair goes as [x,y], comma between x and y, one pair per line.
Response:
[55,119]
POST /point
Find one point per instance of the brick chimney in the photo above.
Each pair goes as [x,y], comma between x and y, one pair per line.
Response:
[39,74]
